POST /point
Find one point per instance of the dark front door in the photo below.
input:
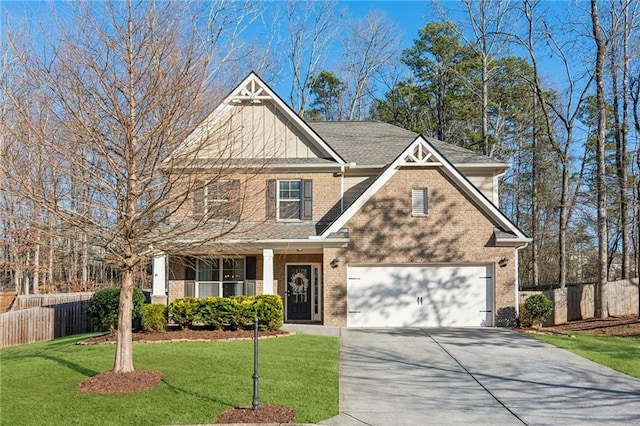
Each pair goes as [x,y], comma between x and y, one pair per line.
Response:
[299,292]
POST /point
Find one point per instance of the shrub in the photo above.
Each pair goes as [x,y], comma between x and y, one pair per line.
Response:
[537,309]
[184,311]
[268,308]
[229,312]
[103,307]
[154,318]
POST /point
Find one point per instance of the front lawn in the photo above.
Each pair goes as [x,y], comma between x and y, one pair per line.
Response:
[620,353]
[201,380]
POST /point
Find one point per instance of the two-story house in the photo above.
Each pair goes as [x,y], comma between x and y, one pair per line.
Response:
[359,224]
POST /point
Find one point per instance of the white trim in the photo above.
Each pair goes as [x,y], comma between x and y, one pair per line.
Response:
[159,279]
[267,271]
[484,203]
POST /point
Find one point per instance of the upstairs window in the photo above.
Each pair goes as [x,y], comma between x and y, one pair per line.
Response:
[289,193]
[289,199]
[418,201]
[218,200]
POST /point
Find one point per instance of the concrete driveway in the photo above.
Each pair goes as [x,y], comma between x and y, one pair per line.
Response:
[474,376]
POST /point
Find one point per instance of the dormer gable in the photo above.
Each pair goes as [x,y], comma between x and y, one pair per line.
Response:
[254,123]
[421,153]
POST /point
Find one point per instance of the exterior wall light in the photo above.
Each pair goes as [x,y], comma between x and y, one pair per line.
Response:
[334,263]
[503,262]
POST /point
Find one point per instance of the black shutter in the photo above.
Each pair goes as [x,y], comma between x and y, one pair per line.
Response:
[271,198]
[233,195]
[198,200]
[190,269]
[306,212]
[250,267]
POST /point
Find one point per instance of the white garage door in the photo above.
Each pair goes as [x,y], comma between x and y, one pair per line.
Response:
[419,295]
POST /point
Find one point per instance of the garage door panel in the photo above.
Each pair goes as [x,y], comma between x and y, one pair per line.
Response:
[431,296]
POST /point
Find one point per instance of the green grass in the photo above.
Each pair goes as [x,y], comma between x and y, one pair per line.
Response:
[620,353]
[38,382]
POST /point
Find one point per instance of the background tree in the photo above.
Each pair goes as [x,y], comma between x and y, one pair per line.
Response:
[117,87]
[487,25]
[328,92]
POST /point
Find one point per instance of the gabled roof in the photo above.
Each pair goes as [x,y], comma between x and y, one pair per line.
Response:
[253,88]
[422,153]
[374,143]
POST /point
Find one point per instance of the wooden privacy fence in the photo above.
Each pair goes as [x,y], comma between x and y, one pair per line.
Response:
[43,317]
[576,302]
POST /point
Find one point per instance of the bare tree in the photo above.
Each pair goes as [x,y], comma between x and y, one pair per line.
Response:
[557,113]
[623,19]
[485,30]
[311,27]
[371,44]
[118,87]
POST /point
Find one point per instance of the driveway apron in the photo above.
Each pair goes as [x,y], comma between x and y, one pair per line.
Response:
[482,376]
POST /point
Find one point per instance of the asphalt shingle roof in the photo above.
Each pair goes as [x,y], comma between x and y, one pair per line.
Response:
[376,143]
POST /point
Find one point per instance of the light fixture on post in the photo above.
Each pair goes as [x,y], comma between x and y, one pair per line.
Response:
[334,263]
[503,262]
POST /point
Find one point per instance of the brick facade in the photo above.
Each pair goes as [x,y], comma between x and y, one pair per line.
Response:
[454,231]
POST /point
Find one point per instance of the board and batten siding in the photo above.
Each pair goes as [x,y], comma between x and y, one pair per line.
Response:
[258,130]
[484,182]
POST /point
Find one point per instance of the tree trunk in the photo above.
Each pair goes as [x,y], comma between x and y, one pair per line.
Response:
[601,309]
[36,267]
[50,273]
[534,196]
[562,236]
[124,344]
[85,263]
[486,150]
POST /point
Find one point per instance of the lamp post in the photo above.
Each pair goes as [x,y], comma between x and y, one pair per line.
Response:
[256,399]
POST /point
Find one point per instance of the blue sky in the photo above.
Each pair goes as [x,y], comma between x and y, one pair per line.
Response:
[409,17]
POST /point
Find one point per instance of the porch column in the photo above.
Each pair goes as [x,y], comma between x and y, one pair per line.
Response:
[267,271]
[158,281]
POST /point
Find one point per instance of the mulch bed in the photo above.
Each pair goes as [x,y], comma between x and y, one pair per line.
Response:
[186,335]
[111,383]
[628,326]
[264,414]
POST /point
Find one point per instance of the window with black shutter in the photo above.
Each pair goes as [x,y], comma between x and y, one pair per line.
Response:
[218,200]
[290,199]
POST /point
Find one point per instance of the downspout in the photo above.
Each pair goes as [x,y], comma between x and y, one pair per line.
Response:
[341,188]
[496,191]
[517,279]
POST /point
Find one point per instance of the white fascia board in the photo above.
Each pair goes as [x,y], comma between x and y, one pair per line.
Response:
[486,205]
[482,166]
[512,242]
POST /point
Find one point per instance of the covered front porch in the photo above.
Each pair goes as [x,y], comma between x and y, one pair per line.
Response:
[295,273]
